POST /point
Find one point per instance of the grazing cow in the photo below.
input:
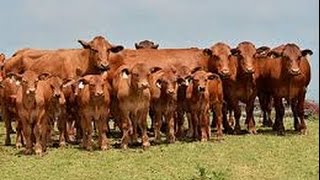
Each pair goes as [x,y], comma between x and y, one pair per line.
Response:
[286,74]
[163,89]
[93,101]
[131,88]
[205,91]
[30,106]
[146,44]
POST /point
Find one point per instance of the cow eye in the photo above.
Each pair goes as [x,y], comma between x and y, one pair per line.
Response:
[94,50]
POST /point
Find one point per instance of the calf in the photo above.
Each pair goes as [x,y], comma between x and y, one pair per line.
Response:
[205,91]
[30,104]
[93,101]
[163,88]
[132,92]
[146,44]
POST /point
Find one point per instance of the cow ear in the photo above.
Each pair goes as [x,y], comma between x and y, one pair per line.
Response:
[81,82]
[235,52]
[14,76]
[159,83]
[155,69]
[155,46]
[67,82]
[116,49]
[2,58]
[84,44]
[125,73]
[196,69]
[212,76]
[137,46]
[207,52]
[44,76]
[306,52]
[262,51]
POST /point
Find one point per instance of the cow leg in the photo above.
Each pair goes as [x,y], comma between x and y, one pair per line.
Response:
[89,131]
[237,116]
[218,113]
[143,127]
[19,137]
[27,131]
[204,126]
[228,129]
[157,126]
[37,131]
[279,116]
[196,126]
[179,123]
[135,132]
[294,109]
[170,127]
[152,117]
[300,109]
[126,130]
[102,130]
[7,122]
[250,118]
[190,132]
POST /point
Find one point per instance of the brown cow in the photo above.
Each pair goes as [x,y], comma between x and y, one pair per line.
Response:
[286,75]
[8,91]
[93,100]
[93,58]
[205,91]
[146,44]
[131,88]
[30,105]
[163,88]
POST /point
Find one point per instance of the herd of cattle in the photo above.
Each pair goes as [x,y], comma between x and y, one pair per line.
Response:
[75,87]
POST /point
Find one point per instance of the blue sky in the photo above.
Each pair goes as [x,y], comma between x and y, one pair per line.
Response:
[178,23]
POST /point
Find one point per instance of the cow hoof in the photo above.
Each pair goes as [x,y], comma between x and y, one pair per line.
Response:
[237,130]
[303,131]
[28,152]
[189,134]
[62,144]
[104,147]
[124,146]
[89,148]
[157,141]
[18,145]
[146,145]
[38,152]
[171,140]
[281,133]
[253,131]
[204,140]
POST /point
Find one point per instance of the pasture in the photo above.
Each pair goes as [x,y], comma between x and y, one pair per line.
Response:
[262,156]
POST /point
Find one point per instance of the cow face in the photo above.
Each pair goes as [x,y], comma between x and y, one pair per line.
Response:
[219,61]
[96,83]
[56,85]
[182,73]
[100,50]
[146,44]
[291,56]
[245,53]
[138,75]
[167,82]
[200,80]
[29,81]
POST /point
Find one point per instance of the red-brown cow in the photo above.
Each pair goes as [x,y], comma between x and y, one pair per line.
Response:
[93,101]
[287,75]
[30,105]
[163,88]
[131,88]
[205,91]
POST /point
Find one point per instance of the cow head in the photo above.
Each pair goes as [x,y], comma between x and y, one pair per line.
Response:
[96,84]
[219,59]
[100,50]
[146,44]
[245,54]
[56,85]
[138,75]
[199,80]
[182,74]
[29,81]
[167,81]
[291,56]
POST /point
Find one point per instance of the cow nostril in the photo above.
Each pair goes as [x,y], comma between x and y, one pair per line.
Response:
[250,70]
[201,89]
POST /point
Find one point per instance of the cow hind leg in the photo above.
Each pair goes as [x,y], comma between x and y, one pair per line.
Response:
[300,109]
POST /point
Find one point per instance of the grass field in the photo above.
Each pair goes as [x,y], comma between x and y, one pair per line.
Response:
[262,156]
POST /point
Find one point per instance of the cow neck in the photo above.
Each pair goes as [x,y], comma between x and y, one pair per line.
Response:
[88,66]
[198,96]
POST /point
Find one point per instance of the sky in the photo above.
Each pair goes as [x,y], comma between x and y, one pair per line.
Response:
[51,24]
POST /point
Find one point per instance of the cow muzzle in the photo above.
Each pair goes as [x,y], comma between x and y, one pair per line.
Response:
[104,67]
[144,85]
[31,91]
[99,93]
[295,71]
[249,70]
[225,73]
[201,89]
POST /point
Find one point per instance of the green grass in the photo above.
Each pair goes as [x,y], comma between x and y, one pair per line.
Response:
[262,156]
